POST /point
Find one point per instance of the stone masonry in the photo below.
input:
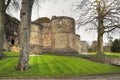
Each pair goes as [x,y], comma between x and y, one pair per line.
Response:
[56,35]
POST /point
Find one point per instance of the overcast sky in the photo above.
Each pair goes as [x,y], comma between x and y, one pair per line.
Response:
[60,8]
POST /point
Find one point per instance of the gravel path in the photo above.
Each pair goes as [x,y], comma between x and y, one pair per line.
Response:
[95,77]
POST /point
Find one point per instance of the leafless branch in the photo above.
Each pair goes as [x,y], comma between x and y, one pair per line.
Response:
[110,11]
[7,4]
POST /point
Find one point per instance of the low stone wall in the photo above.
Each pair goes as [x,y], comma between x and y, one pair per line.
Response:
[107,60]
[97,59]
[35,49]
[64,51]
[115,61]
[47,50]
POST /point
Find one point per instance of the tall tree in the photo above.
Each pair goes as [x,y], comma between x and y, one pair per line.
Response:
[102,15]
[25,16]
[3,6]
[116,46]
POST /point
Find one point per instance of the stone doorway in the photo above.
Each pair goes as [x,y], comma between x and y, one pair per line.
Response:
[12,42]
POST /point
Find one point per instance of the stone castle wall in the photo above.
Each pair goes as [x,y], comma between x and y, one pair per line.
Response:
[11,36]
[62,27]
[41,37]
[63,24]
[54,36]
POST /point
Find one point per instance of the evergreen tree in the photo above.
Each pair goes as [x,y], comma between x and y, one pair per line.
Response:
[116,46]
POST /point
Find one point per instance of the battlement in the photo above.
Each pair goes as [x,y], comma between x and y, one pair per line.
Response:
[62,17]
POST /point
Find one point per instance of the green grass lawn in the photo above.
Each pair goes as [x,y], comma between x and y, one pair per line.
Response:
[109,54]
[112,54]
[11,53]
[51,65]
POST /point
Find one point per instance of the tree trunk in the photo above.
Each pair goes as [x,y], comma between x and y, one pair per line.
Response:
[100,42]
[25,27]
[100,29]
[2,25]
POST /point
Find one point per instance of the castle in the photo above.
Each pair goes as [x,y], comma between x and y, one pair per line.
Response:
[56,35]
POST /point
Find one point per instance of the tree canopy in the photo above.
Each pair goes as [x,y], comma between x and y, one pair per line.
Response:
[115,45]
[100,15]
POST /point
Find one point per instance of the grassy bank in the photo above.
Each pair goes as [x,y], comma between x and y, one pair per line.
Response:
[109,54]
[50,65]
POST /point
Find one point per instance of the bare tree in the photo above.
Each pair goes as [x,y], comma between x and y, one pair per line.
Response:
[3,6]
[25,16]
[100,15]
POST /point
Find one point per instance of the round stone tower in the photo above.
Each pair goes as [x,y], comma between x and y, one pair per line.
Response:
[63,24]
[63,29]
